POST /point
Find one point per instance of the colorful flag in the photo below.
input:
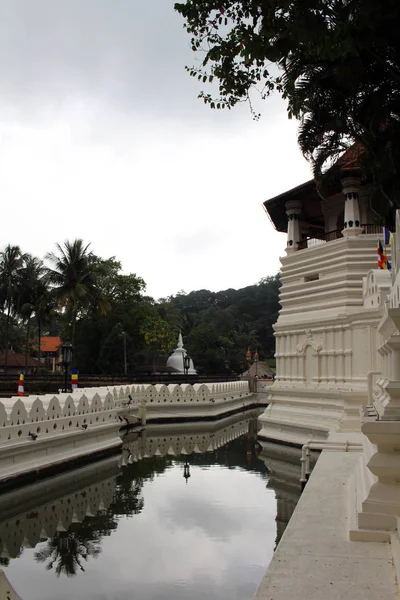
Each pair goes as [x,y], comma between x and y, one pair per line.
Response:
[74,379]
[382,260]
[21,385]
[387,236]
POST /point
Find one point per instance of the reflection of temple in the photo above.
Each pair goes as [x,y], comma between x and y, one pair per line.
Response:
[185,438]
[284,467]
[36,512]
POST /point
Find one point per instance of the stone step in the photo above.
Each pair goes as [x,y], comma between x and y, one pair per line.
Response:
[357,533]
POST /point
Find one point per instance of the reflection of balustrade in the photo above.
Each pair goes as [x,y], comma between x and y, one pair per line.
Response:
[184,438]
[49,507]
[37,512]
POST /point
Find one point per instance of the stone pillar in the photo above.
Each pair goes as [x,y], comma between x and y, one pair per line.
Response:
[293,211]
[352,224]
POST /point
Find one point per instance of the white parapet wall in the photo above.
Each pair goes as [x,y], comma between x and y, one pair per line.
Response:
[186,401]
[44,432]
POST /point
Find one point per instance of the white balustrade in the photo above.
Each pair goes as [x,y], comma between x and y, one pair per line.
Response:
[51,414]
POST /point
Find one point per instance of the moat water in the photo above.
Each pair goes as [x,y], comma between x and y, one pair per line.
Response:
[186,511]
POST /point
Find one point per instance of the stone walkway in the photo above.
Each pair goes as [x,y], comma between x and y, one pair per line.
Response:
[315,560]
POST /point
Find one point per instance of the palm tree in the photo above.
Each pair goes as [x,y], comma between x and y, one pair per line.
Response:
[66,551]
[72,278]
[34,296]
[11,264]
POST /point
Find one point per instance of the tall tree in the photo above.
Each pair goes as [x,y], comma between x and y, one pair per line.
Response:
[159,336]
[11,264]
[337,64]
[72,278]
[123,293]
[34,298]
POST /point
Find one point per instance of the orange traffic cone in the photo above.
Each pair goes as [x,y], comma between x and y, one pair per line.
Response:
[21,385]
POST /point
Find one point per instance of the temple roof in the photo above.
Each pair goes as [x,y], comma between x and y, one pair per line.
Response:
[311,201]
[309,196]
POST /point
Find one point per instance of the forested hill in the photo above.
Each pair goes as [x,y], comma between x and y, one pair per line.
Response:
[220,326]
[113,326]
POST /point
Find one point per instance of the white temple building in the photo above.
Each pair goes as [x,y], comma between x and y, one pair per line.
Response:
[338,345]
[332,297]
[176,360]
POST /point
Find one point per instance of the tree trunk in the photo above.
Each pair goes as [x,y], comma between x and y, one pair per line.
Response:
[73,326]
[28,327]
[6,339]
[39,322]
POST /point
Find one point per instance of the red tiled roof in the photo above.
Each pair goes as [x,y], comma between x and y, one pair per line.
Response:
[50,343]
[351,158]
[14,359]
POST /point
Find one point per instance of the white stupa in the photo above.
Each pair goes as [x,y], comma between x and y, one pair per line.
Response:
[176,359]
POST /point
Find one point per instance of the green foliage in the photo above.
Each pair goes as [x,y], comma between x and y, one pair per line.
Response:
[11,265]
[73,280]
[112,321]
[220,326]
[160,337]
[336,63]
[99,344]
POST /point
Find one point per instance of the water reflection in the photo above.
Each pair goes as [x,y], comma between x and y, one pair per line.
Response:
[284,469]
[183,512]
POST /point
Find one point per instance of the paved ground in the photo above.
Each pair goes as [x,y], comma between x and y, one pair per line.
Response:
[315,560]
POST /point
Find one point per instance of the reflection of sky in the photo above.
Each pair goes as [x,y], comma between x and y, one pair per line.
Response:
[211,538]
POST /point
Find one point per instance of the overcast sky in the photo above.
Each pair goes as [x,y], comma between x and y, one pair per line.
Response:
[102,137]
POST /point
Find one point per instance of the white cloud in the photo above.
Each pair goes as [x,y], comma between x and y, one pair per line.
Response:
[102,137]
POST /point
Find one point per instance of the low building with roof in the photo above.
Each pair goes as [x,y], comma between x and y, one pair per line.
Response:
[50,350]
[17,362]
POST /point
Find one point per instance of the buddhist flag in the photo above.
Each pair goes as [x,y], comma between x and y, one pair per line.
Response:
[21,385]
[383,262]
[388,236]
[74,379]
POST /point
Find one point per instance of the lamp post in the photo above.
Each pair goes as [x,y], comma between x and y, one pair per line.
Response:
[125,367]
[227,366]
[248,359]
[241,367]
[186,471]
[186,364]
[256,357]
[66,353]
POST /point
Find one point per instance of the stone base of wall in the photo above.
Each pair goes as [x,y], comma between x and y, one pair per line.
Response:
[190,410]
[26,460]
[295,415]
